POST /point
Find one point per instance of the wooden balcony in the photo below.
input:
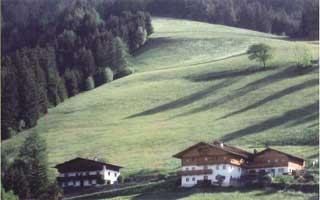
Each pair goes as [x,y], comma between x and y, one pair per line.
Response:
[80,177]
[194,172]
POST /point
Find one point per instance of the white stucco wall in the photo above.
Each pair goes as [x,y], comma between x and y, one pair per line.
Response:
[277,170]
[110,175]
[229,171]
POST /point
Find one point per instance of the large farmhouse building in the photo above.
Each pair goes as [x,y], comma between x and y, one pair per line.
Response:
[81,172]
[207,162]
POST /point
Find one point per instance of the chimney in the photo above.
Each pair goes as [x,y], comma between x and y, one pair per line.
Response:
[255,151]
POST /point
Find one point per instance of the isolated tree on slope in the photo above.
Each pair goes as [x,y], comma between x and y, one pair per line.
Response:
[260,52]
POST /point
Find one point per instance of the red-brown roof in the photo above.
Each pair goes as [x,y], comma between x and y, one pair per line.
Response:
[83,164]
[289,155]
[227,148]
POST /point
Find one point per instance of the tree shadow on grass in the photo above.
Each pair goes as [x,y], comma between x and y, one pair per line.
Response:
[287,73]
[290,116]
[306,119]
[153,43]
[226,74]
[277,95]
[187,99]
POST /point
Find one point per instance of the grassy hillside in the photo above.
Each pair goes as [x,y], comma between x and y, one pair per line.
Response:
[249,195]
[192,83]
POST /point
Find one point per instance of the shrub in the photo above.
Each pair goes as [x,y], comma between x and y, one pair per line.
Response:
[90,83]
[303,57]
[120,179]
[283,179]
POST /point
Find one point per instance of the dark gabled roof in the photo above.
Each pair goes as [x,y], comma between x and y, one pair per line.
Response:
[270,149]
[178,155]
[227,148]
[232,149]
[84,164]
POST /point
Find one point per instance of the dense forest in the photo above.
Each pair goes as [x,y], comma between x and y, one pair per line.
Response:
[295,18]
[54,49]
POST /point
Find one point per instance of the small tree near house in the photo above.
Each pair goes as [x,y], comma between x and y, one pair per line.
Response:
[220,179]
[260,52]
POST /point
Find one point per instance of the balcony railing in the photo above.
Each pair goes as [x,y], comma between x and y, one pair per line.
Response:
[194,172]
[79,177]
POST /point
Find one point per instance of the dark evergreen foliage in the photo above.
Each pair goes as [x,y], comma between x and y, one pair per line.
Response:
[28,89]
[9,99]
[27,176]
[52,47]
[295,18]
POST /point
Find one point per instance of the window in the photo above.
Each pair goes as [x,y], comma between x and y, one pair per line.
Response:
[223,167]
[187,179]
[109,173]
[205,158]
[187,168]
[276,160]
[280,170]
[193,168]
[269,161]
[231,167]
[239,169]
[193,179]
[217,167]
[115,174]
[205,167]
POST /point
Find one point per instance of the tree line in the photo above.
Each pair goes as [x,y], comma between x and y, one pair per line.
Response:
[294,18]
[27,175]
[52,50]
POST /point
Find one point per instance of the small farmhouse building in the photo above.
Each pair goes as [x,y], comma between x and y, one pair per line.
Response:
[208,162]
[81,172]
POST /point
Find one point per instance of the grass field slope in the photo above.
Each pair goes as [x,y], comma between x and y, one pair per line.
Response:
[193,83]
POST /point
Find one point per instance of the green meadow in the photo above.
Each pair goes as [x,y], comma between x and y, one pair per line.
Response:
[252,195]
[193,82]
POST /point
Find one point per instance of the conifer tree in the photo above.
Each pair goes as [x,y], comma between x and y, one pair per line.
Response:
[9,98]
[148,24]
[71,82]
[28,90]
[33,154]
[119,55]
[86,62]
[40,80]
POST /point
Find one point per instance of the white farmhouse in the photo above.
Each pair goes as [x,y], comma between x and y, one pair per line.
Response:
[220,164]
[81,172]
